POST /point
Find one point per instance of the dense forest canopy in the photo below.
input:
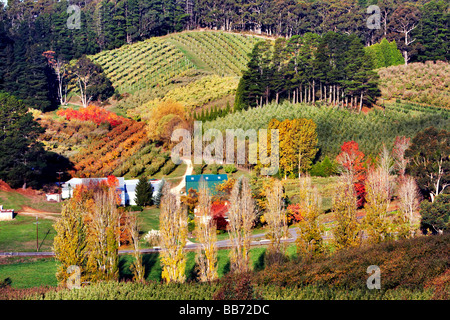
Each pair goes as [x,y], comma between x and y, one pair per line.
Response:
[28,28]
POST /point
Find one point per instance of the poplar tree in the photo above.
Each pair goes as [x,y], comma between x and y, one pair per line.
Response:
[206,235]
[378,198]
[309,241]
[241,216]
[173,236]
[346,232]
[275,217]
[70,242]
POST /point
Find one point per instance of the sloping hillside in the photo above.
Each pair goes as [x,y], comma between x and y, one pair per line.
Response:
[157,61]
[426,83]
[225,54]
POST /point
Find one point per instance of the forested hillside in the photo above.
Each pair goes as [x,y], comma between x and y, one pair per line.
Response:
[29,28]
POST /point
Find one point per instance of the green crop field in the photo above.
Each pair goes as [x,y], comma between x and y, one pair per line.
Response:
[336,126]
[220,52]
[149,63]
[157,61]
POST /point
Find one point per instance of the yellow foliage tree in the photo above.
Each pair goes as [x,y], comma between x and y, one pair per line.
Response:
[346,231]
[70,242]
[241,216]
[164,118]
[309,241]
[298,144]
[173,237]
[206,232]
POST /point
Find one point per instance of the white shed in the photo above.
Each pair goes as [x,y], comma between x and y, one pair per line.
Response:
[6,214]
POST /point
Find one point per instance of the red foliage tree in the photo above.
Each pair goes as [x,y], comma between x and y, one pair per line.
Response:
[294,213]
[352,159]
[218,212]
[92,113]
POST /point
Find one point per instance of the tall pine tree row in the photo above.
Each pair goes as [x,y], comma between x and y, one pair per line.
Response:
[332,69]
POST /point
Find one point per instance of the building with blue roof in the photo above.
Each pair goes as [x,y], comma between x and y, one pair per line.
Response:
[212,180]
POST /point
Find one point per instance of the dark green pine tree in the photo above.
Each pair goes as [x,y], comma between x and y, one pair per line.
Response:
[29,76]
[360,80]
[432,33]
[144,192]
[254,85]
[132,20]
[278,81]
[22,157]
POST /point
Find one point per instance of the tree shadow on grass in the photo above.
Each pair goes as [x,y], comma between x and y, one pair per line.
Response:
[125,273]
[150,262]
[152,266]
[260,263]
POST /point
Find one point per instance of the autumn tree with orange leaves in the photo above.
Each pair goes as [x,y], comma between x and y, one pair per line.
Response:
[165,118]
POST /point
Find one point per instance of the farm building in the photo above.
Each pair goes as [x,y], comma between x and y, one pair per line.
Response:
[193,181]
[6,214]
[126,188]
[53,197]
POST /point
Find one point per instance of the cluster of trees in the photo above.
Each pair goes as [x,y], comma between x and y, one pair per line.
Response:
[385,54]
[297,145]
[88,235]
[92,113]
[29,28]
[209,114]
[333,68]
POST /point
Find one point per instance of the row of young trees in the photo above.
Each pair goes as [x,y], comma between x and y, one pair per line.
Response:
[90,227]
[333,68]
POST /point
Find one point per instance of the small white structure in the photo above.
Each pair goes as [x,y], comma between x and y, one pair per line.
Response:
[127,188]
[53,197]
[6,214]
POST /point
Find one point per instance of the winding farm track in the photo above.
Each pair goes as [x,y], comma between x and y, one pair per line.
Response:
[189,169]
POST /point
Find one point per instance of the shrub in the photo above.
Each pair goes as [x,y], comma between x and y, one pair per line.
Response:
[134,208]
[92,113]
[198,169]
[168,167]
[237,286]
[405,264]
[152,237]
[230,168]
[215,168]
[325,168]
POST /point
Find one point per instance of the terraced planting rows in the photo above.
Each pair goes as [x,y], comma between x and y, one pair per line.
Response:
[97,151]
[157,61]
[144,64]
[223,53]
[334,126]
[193,95]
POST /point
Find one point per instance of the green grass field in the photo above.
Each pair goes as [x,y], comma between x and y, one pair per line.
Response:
[29,272]
[19,235]
[33,272]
